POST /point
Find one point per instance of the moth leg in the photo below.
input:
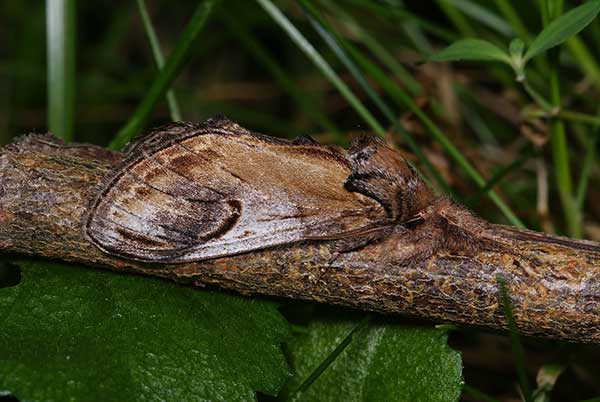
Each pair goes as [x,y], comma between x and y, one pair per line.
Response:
[347,245]
[325,271]
[448,232]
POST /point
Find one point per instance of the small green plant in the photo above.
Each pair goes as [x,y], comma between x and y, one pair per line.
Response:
[517,55]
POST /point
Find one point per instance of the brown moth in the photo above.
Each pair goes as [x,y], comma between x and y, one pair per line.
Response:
[193,192]
[190,192]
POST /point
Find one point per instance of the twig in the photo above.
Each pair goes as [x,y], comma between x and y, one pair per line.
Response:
[554,282]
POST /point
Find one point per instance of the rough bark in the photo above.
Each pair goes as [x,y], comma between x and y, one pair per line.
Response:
[553,282]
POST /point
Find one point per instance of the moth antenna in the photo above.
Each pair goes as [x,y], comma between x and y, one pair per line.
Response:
[418,218]
[305,140]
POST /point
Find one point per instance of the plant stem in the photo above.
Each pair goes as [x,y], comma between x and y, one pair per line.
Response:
[517,346]
[535,95]
[558,139]
[560,154]
[60,44]
[330,358]
[579,117]
[158,57]
[586,168]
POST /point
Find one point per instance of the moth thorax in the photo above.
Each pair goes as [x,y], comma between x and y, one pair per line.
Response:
[413,198]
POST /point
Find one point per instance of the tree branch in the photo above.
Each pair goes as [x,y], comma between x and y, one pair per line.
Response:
[553,282]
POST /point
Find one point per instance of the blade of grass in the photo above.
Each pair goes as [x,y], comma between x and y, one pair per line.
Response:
[500,175]
[406,100]
[329,359]
[457,18]
[414,31]
[507,9]
[166,76]
[158,57]
[418,37]
[60,45]
[403,99]
[483,16]
[544,12]
[585,59]
[245,36]
[375,47]
[590,155]
[402,15]
[321,64]
[517,346]
[578,117]
[558,136]
[332,39]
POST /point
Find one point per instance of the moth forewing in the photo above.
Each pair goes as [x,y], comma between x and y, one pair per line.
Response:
[205,191]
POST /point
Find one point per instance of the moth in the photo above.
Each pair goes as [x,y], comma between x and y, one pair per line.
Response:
[191,192]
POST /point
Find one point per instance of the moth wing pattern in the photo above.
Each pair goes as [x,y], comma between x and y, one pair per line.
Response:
[193,192]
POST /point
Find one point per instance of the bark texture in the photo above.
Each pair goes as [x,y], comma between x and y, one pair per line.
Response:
[553,282]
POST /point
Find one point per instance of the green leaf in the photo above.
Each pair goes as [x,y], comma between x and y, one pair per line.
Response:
[471,49]
[71,333]
[563,28]
[384,362]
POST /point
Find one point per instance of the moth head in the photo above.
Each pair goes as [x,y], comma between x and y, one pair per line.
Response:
[381,173]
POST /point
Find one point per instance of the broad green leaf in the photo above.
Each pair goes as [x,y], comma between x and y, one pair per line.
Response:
[471,49]
[563,28]
[73,333]
[387,361]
